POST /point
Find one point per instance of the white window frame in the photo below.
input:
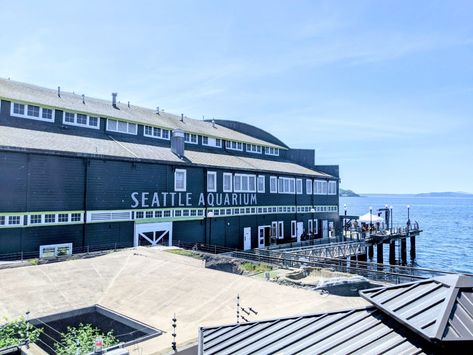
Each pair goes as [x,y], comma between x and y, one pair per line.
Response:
[273,179]
[214,174]
[25,112]
[230,176]
[332,188]
[280,230]
[320,187]
[261,180]
[271,151]
[241,178]
[286,185]
[308,186]
[56,247]
[316,226]
[184,171]
[299,188]
[254,148]
[293,229]
[87,125]
[234,145]
[128,124]
[310,226]
[212,142]
[161,132]
[189,138]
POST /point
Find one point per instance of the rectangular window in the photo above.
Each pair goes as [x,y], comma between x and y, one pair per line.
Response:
[47,114]
[33,111]
[93,121]
[156,132]
[253,148]
[244,183]
[81,119]
[280,230]
[286,185]
[293,229]
[63,217]
[75,217]
[13,220]
[308,186]
[261,182]
[227,182]
[273,181]
[271,151]
[180,180]
[212,142]
[121,126]
[332,187]
[49,218]
[69,117]
[18,109]
[2,220]
[310,226]
[232,145]
[316,226]
[320,187]
[274,229]
[299,186]
[35,219]
[190,138]
[205,140]
[211,181]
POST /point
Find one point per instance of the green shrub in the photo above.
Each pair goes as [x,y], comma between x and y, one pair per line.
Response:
[15,332]
[256,268]
[86,335]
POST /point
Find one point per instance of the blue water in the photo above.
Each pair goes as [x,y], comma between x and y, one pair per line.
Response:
[447,223]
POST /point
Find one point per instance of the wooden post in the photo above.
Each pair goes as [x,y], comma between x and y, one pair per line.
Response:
[370,251]
[392,252]
[379,253]
[413,247]
[403,251]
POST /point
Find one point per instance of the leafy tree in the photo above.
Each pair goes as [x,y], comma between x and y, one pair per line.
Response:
[84,335]
[17,331]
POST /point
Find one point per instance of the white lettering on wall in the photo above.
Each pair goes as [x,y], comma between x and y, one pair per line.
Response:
[184,199]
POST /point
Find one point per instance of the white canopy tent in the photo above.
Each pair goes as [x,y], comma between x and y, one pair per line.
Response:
[370,218]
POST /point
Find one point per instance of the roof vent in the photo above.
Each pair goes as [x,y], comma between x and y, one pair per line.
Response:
[59,91]
[213,123]
[182,117]
[114,99]
[128,104]
[83,99]
[177,142]
[157,110]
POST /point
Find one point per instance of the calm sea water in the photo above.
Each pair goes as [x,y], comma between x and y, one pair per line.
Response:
[447,240]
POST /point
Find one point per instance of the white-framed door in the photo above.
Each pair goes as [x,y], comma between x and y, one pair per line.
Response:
[324,229]
[299,230]
[246,238]
[153,233]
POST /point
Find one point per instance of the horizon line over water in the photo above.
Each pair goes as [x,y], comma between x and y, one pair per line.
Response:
[446,242]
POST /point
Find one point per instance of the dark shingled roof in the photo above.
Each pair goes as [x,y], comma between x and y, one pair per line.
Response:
[438,309]
[20,139]
[27,93]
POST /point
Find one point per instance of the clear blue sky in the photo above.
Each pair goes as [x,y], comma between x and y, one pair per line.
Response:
[382,88]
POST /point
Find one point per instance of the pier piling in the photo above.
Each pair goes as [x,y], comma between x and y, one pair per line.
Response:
[370,251]
[379,253]
[413,247]
[403,251]
[392,252]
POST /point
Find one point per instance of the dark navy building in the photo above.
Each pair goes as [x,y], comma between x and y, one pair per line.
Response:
[78,172]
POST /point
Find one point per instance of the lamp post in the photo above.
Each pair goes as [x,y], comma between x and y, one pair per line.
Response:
[408,218]
[210,215]
[345,220]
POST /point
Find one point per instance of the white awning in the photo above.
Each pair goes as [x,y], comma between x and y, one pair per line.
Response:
[367,218]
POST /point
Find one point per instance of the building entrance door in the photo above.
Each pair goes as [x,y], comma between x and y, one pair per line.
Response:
[299,230]
[153,234]
[247,238]
[264,233]
[324,229]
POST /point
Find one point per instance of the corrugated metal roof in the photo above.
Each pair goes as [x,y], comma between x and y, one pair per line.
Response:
[361,331]
[19,138]
[16,91]
[439,308]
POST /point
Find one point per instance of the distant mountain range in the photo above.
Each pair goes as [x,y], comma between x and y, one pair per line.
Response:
[348,193]
[445,194]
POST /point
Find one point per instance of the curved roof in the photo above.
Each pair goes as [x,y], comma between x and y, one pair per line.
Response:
[27,93]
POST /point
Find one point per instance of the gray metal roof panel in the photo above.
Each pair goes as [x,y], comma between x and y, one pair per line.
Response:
[17,91]
[360,331]
[439,308]
[20,138]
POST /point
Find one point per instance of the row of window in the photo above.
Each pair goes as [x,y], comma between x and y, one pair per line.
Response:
[284,185]
[194,212]
[44,218]
[83,120]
